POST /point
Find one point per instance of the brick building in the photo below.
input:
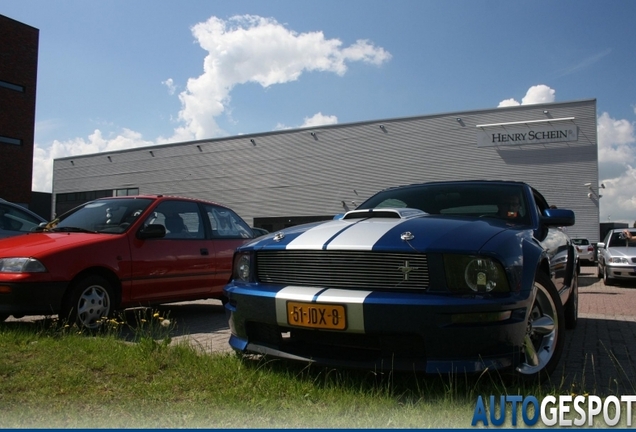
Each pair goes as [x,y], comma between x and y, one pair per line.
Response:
[18,79]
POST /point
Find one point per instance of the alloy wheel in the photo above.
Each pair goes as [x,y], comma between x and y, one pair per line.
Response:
[541,339]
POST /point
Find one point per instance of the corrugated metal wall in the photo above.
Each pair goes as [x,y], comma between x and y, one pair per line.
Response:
[305,172]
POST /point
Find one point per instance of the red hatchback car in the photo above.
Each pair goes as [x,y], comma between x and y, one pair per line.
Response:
[120,252]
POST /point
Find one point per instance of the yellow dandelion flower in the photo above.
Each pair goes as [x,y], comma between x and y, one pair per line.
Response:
[156,314]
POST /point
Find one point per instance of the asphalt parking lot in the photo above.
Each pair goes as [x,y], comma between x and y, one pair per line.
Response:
[599,355]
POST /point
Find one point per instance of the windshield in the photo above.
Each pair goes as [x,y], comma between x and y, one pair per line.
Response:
[103,216]
[619,240]
[504,201]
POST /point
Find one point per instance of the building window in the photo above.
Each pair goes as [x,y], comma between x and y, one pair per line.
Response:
[127,192]
[10,86]
[7,140]
[66,201]
[103,193]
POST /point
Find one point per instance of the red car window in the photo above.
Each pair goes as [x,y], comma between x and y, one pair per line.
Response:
[181,219]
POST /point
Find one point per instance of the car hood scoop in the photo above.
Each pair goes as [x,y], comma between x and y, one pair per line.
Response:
[386,213]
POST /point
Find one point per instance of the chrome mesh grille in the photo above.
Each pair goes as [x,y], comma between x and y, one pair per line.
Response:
[343,269]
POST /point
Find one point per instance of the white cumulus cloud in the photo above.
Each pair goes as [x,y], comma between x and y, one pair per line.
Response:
[319,119]
[618,203]
[508,103]
[535,95]
[260,50]
[617,156]
[242,49]
[170,84]
[95,143]
[614,140]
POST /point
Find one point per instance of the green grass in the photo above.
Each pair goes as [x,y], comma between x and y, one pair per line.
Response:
[55,377]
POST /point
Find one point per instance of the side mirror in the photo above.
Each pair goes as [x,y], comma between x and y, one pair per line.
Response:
[600,245]
[558,217]
[151,231]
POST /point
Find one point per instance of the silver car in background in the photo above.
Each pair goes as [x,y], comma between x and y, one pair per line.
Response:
[617,257]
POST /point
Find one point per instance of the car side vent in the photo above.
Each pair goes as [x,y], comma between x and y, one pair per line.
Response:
[386,213]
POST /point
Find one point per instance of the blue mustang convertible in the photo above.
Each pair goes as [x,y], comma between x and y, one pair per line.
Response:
[461,276]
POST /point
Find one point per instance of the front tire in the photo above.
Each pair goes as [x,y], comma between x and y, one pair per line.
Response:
[89,302]
[543,342]
[607,280]
[571,309]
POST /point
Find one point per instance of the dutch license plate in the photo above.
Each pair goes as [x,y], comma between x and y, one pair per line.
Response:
[317,315]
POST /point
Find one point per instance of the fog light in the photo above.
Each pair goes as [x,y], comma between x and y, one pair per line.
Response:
[5,289]
[468,274]
[482,275]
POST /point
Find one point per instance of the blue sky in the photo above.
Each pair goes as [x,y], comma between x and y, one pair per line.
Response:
[121,74]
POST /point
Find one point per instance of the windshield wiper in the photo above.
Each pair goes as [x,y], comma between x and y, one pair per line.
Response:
[72,229]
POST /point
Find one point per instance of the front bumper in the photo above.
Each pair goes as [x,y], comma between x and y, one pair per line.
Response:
[621,272]
[31,298]
[387,331]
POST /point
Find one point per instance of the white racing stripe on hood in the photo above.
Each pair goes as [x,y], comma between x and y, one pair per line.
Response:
[316,237]
[358,235]
[364,235]
[353,300]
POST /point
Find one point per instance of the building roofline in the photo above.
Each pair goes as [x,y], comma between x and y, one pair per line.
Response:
[19,22]
[331,126]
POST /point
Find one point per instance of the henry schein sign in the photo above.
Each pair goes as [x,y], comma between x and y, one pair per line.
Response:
[525,134]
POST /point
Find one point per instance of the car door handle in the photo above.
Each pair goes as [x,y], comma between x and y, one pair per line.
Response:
[204,251]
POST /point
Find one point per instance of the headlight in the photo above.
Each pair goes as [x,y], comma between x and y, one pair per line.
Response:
[476,274]
[21,265]
[618,260]
[242,266]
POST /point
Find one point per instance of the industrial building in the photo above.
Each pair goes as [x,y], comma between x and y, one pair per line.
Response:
[282,178]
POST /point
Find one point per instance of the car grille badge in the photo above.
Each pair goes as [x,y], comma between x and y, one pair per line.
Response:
[406,269]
